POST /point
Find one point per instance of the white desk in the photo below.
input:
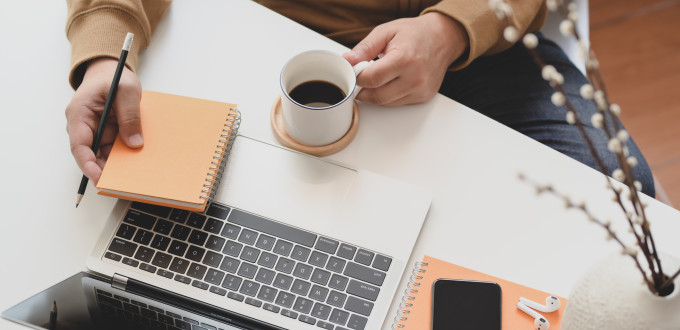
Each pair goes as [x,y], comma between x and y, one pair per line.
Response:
[481,217]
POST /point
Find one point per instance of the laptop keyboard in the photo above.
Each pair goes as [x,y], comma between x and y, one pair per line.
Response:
[256,261]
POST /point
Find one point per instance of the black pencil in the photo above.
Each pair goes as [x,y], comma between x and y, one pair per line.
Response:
[107,108]
[53,316]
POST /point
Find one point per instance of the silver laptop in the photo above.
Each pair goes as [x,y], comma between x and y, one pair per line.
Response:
[290,241]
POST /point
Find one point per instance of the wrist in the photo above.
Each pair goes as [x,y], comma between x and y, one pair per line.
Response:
[452,30]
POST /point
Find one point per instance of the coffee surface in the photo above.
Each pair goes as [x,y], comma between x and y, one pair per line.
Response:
[317,94]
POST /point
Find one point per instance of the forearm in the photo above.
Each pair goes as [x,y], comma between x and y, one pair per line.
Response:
[485,29]
[96,28]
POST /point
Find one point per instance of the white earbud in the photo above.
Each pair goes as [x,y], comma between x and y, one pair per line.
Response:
[552,304]
[539,321]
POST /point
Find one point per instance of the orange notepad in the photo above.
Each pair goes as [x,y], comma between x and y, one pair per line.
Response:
[186,141]
[418,316]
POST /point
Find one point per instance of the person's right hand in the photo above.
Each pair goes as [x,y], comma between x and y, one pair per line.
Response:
[85,109]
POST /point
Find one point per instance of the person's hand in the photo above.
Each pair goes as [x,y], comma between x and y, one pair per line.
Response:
[415,54]
[85,109]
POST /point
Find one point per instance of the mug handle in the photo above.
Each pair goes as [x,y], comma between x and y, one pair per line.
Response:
[357,70]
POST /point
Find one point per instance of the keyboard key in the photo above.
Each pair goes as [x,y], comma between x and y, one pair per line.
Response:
[285,265]
[178,215]
[160,242]
[302,271]
[346,251]
[163,226]
[267,294]
[196,220]
[139,219]
[282,281]
[230,264]
[247,270]
[218,211]
[382,262]
[182,325]
[126,231]
[214,276]
[179,265]
[249,288]
[267,260]
[364,273]
[254,302]
[285,299]
[123,247]
[213,226]
[198,237]
[230,231]
[130,262]
[307,319]
[301,287]
[364,257]
[265,242]
[157,210]
[326,245]
[300,253]
[235,296]
[250,254]
[212,259]
[195,253]
[164,273]
[357,305]
[182,279]
[180,232]
[161,260]
[144,254]
[271,308]
[357,322]
[233,248]
[200,285]
[178,248]
[217,290]
[289,313]
[215,243]
[336,299]
[318,293]
[324,325]
[112,256]
[143,237]
[363,290]
[247,236]
[336,264]
[318,259]
[321,311]
[231,282]
[272,228]
[283,248]
[197,271]
[303,305]
[320,276]
[265,276]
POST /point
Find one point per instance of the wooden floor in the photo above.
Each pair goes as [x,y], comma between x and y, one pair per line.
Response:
[637,43]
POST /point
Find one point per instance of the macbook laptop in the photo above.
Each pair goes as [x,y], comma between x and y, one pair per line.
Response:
[290,241]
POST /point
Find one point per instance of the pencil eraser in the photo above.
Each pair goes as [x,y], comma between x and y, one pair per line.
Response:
[128,41]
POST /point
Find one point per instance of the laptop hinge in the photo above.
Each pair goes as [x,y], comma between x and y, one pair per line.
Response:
[119,282]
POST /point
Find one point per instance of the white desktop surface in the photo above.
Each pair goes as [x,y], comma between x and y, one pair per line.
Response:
[482,216]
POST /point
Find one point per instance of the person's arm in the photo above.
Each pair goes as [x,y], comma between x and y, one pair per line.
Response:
[96,30]
[415,53]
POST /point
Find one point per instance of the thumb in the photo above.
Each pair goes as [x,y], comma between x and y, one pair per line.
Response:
[370,47]
[129,119]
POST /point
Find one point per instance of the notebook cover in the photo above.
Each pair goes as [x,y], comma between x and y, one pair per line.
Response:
[181,135]
[511,317]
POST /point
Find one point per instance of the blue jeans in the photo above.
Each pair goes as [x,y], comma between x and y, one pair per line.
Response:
[508,88]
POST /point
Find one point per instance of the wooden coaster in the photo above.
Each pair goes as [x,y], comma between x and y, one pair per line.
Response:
[329,149]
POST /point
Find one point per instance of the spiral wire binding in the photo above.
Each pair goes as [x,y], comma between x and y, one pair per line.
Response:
[409,295]
[217,166]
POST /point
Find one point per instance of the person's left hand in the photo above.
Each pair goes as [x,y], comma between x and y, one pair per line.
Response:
[415,54]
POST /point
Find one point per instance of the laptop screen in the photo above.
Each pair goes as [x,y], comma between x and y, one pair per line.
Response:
[88,302]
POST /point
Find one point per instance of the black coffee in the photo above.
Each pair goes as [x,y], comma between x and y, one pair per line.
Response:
[317,94]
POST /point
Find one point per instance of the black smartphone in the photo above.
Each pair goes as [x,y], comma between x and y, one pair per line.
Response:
[466,305]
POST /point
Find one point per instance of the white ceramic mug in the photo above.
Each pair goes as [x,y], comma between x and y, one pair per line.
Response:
[319,123]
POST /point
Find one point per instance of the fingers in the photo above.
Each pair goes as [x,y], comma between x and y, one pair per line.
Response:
[127,113]
[371,46]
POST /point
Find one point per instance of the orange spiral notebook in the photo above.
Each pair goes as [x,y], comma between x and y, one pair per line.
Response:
[186,143]
[415,311]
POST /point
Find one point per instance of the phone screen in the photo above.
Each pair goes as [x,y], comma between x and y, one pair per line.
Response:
[464,305]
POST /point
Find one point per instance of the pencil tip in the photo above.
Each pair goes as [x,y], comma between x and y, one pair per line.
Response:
[78,199]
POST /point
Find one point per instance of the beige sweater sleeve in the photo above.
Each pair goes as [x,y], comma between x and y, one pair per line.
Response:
[97,28]
[485,29]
